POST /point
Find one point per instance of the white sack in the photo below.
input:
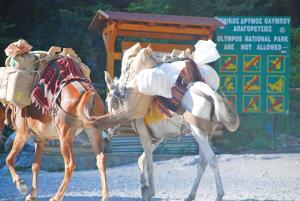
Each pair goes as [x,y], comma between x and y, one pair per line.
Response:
[160,80]
[153,82]
[211,77]
[205,52]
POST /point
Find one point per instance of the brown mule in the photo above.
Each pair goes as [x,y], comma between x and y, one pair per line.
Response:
[77,110]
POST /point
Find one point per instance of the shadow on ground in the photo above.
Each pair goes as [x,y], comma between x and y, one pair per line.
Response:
[253,200]
[113,198]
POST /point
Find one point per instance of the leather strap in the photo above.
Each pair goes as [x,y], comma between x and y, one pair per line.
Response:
[71,120]
[207,125]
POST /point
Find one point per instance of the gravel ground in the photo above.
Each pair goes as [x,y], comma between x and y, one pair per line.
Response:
[245,177]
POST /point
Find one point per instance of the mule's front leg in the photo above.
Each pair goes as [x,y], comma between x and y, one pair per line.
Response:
[36,165]
[20,140]
[147,191]
[142,166]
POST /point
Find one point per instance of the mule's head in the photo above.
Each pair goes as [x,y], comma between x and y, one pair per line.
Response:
[114,98]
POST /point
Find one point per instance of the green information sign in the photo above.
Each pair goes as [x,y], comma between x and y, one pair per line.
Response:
[254,63]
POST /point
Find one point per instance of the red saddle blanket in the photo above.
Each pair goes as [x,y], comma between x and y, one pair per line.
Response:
[188,74]
[58,73]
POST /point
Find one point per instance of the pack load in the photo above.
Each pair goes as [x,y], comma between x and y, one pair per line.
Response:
[18,76]
[159,81]
[24,69]
[143,76]
[134,60]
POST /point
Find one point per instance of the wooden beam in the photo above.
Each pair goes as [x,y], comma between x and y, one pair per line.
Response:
[141,34]
[111,36]
[109,28]
[165,29]
[211,32]
[117,55]
[105,40]
[157,47]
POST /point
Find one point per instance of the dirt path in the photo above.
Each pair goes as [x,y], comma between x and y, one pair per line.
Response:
[245,177]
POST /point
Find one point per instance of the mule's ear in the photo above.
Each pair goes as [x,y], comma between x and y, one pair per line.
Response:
[109,82]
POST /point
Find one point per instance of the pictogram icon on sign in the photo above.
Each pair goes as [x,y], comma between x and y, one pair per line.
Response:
[228,83]
[252,83]
[228,63]
[276,63]
[232,99]
[252,63]
[275,103]
[275,84]
[251,103]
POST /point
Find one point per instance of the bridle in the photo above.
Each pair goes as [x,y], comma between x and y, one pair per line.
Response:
[115,96]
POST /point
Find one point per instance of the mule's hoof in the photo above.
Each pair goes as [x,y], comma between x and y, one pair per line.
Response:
[104,198]
[22,187]
[52,199]
[220,197]
[30,198]
[189,198]
[146,193]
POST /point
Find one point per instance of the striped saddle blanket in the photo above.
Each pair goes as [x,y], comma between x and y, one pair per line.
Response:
[57,74]
[188,74]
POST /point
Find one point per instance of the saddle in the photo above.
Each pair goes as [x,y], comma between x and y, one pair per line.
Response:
[56,75]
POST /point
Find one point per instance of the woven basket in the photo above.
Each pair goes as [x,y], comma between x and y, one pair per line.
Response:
[20,87]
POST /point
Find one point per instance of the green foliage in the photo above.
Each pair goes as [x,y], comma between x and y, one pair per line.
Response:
[260,141]
[215,8]
[61,23]
[251,131]
[295,61]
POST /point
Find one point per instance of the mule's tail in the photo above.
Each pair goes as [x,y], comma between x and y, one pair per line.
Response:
[224,111]
[227,113]
[91,112]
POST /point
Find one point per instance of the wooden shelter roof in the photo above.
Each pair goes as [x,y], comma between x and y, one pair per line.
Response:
[102,18]
[111,24]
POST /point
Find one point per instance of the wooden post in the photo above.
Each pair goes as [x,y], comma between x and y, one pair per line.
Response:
[110,35]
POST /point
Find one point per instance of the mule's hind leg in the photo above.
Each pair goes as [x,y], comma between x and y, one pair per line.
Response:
[142,166]
[95,137]
[202,164]
[211,158]
[147,191]
[20,140]
[36,165]
[66,146]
